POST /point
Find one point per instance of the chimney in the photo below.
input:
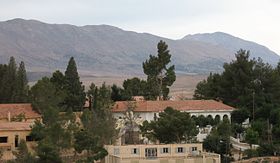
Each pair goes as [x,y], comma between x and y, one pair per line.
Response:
[138,98]
[9,116]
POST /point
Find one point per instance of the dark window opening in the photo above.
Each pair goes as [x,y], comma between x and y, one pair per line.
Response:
[4,139]
[16,141]
[194,148]
[180,150]
[151,153]
[29,138]
[134,150]
[165,150]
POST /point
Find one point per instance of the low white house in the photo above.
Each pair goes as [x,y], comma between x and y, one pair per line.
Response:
[149,110]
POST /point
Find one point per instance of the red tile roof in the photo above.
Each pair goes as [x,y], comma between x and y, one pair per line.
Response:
[16,109]
[15,126]
[186,105]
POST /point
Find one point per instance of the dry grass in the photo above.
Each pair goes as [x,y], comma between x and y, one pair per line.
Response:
[183,87]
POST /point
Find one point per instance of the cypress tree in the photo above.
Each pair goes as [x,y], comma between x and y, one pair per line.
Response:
[21,84]
[10,82]
[3,70]
[76,97]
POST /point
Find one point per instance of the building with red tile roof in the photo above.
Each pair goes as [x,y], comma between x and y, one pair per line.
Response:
[10,111]
[148,109]
[186,105]
[15,124]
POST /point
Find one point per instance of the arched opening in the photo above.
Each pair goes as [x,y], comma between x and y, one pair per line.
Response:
[225,117]
[193,116]
[210,120]
[209,116]
[217,119]
[194,119]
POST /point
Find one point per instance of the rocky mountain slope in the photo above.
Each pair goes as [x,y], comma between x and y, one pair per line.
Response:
[233,44]
[107,50]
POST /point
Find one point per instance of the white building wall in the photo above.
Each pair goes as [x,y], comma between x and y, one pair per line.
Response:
[211,113]
[149,116]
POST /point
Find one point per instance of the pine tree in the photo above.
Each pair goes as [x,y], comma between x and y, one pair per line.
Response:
[44,96]
[22,154]
[75,98]
[159,76]
[58,79]
[134,87]
[171,126]
[100,114]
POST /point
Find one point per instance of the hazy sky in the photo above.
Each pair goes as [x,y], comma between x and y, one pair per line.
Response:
[255,20]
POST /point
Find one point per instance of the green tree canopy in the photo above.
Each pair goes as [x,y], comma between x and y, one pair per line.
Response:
[76,96]
[21,92]
[134,87]
[44,95]
[239,115]
[219,140]
[10,80]
[22,154]
[252,137]
[159,76]
[86,141]
[100,114]
[13,83]
[248,84]
[171,126]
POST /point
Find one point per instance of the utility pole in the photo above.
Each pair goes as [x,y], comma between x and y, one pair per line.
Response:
[160,93]
[253,105]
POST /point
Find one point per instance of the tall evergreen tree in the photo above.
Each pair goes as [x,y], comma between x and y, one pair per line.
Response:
[134,87]
[100,114]
[21,92]
[58,79]
[159,76]
[171,126]
[76,97]
[10,81]
[209,88]
[22,154]
[118,93]
[3,71]
[44,96]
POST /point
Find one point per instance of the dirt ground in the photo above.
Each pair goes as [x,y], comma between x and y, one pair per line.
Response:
[183,87]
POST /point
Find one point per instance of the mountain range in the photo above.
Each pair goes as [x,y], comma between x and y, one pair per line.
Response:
[107,50]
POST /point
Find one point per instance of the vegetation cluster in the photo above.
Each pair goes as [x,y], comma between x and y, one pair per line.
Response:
[253,87]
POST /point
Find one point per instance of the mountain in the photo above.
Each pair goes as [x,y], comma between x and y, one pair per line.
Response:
[107,50]
[233,44]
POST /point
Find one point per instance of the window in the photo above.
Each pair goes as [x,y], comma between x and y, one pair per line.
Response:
[180,150]
[29,138]
[4,139]
[135,151]
[116,151]
[194,149]
[165,150]
[16,141]
[151,152]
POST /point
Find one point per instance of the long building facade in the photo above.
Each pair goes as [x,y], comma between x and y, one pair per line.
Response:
[149,110]
[161,153]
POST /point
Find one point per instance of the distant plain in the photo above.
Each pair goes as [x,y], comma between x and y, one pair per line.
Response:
[183,87]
